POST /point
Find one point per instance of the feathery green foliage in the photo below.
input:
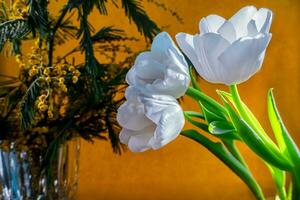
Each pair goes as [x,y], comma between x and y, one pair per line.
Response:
[13,30]
[100,79]
[135,13]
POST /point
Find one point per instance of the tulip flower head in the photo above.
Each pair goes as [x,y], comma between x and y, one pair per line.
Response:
[229,51]
[163,70]
[149,122]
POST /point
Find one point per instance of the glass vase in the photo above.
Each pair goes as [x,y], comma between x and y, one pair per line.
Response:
[24,176]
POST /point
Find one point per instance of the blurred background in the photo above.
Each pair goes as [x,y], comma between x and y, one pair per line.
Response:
[184,169]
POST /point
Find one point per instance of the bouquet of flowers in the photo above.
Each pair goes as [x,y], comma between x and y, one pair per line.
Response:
[59,97]
[227,52]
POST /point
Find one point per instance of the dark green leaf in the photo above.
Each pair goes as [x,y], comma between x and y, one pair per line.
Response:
[209,103]
[193,79]
[137,14]
[108,33]
[113,133]
[101,6]
[196,123]
[38,17]
[27,108]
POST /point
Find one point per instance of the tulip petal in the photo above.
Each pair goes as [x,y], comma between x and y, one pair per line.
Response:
[150,70]
[140,142]
[149,120]
[162,43]
[174,84]
[169,126]
[161,47]
[166,113]
[147,67]
[227,31]
[211,23]
[208,47]
[263,20]
[163,70]
[156,104]
[137,141]
[131,116]
[185,42]
[241,19]
[132,93]
[241,58]
[145,70]
[252,30]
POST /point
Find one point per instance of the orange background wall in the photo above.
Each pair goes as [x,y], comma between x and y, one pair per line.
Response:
[183,170]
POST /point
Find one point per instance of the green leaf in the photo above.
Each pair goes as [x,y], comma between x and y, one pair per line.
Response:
[92,66]
[113,133]
[193,79]
[248,117]
[137,14]
[279,178]
[27,107]
[250,114]
[285,141]
[108,33]
[196,123]
[65,30]
[209,103]
[210,115]
[194,114]
[101,6]
[13,30]
[223,130]
[250,137]
[277,174]
[38,17]
[290,191]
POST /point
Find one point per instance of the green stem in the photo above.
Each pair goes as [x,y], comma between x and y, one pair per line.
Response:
[281,192]
[296,183]
[230,145]
[220,151]
[198,95]
[193,79]
[239,105]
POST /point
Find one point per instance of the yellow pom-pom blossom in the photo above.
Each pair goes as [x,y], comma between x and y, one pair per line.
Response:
[50,114]
[46,71]
[74,79]
[19,10]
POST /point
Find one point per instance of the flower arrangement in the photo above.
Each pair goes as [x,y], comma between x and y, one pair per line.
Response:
[35,106]
[59,97]
[227,52]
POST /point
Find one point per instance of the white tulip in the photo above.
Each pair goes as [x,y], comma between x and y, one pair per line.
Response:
[163,70]
[149,122]
[229,51]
